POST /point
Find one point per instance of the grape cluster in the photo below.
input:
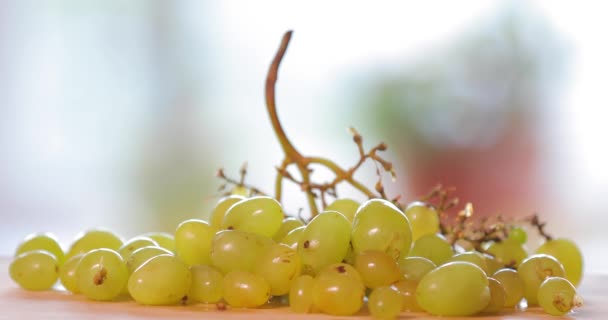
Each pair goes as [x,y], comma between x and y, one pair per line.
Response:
[349,257]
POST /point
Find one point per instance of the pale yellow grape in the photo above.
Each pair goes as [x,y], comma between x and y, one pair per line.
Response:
[135,243]
[34,270]
[568,254]
[237,250]
[380,225]
[473,257]
[454,289]
[101,274]
[534,270]
[217,215]
[300,294]
[497,296]
[278,264]
[385,303]
[423,219]
[292,239]
[407,290]
[162,280]
[433,247]
[42,241]
[67,273]
[164,239]
[240,191]
[509,252]
[287,225]
[193,241]
[243,289]
[141,255]
[324,241]
[347,207]
[338,294]
[94,239]
[414,268]
[513,285]
[260,215]
[557,296]
[339,269]
[377,268]
[492,263]
[207,284]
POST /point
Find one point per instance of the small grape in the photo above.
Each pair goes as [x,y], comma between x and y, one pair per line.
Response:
[42,241]
[287,225]
[162,280]
[94,239]
[243,289]
[278,264]
[324,241]
[218,213]
[377,268]
[260,215]
[233,250]
[414,268]
[473,257]
[67,273]
[513,285]
[101,274]
[497,296]
[347,207]
[300,294]
[508,252]
[385,303]
[292,239]
[433,247]
[557,296]
[34,270]
[207,284]
[141,255]
[518,234]
[568,254]
[492,263]
[407,290]
[133,244]
[338,293]
[423,218]
[164,240]
[193,241]
[534,270]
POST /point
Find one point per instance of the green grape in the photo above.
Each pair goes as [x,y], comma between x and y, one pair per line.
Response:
[34,270]
[385,303]
[260,215]
[94,239]
[492,263]
[513,285]
[287,225]
[407,290]
[243,289]
[236,250]
[324,241]
[566,252]
[557,296]
[300,294]
[497,296]
[193,241]
[347,207]
[67,273]
[217,215]
[162,280]
[240,191]
[414,268]
[339,269]
[508,252]
[292,239]
[135,243]
[101,274]
[164,240]
[423,218]
[534,270]
[518,234]
[338,293]
[433,247]
[141,255]
[379,225]
[473,257]
[278,264]
[207,284]
[454,289]
[377,268]
[42,241]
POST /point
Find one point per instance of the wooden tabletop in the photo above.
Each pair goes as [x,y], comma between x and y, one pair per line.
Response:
[16,303]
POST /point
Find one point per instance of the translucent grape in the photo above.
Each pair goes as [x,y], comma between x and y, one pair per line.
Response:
[67,273]
[34,270]
[240,191]
[508,252]
[379,225]
[454,289]
[133,244]
[513,285]
[433,247]
[42,241]
[492,263]
[162,280]
[101,274]
[385,303]
[339,269]
[347,207]
[236,250]
[568,254]
[377,268]
[260,215]
[423,219]
[497,296]
[518,234]
[217,215]
[141,255]
[244,289]
[407,290]
[414,268]
[164,240]
[300,294]
[278,264]
[324,241]
[207,284]
[338,293]
[287,225]
[534,270]
[193,241]
[94,239]
[473,257]
[557,296]
[292,239]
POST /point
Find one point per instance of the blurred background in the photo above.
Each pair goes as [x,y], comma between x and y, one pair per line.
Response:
[118,113]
